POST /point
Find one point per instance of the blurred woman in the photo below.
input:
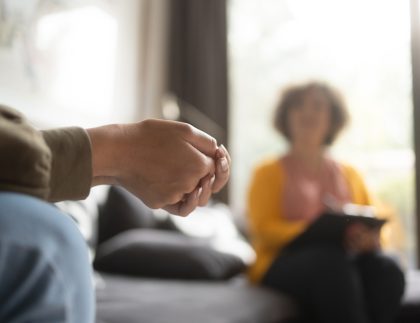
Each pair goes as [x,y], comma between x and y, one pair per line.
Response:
[350,283]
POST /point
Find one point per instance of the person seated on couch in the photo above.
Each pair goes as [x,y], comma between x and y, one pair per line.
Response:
[350,284]
[45,274]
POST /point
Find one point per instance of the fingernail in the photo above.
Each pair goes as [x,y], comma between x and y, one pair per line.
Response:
[224,164]
[220,153]
[213,178]
[198,192]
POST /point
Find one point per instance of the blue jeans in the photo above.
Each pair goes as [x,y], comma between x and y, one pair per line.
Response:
[45,275]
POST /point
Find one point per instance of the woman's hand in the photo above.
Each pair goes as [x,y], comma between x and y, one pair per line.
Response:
[360,238]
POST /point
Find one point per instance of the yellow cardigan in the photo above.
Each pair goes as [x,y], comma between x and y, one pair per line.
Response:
[270,230]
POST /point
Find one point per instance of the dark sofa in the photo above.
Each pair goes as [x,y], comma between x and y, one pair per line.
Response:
[132,298]
[135,300]
[146,300]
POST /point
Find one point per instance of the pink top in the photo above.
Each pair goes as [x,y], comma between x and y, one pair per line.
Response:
[306,194]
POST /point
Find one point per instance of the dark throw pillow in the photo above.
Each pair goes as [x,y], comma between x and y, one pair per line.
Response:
[165,254]
[122,211]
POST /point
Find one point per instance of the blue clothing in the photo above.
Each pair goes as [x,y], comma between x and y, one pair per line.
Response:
[45,274]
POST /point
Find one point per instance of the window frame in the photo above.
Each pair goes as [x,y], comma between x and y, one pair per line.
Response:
[415,65]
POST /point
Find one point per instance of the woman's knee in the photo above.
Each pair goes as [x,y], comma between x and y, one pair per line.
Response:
[318,264]
[332,269]
[382,270]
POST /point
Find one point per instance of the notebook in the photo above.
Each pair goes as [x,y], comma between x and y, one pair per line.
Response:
[330,227]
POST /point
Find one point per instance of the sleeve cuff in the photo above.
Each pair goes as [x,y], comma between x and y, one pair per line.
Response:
[71,169]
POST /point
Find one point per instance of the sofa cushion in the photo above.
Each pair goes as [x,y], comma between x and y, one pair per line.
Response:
[136,300]
[214,222]
[139,300]
[164,254]
[122,211]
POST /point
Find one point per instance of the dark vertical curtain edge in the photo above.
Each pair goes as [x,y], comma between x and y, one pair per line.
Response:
[415,63]
[198,70]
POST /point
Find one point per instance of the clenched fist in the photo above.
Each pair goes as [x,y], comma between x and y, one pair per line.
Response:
[167,164]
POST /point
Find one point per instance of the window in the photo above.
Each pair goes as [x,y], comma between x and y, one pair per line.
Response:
[61,62]
[362,48]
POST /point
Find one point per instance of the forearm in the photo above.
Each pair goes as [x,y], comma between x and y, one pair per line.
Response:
[105,154]
[166,164]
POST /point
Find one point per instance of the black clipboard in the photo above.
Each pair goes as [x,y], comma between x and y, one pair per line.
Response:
[330,228]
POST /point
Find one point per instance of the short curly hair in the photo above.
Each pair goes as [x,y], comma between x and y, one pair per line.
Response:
[293,95]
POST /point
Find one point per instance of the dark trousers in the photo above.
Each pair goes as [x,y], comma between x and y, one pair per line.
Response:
[330,286]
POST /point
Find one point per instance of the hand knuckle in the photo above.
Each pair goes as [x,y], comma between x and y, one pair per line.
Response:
[186,129]
[183,213]
[175,198]
[154,204]
[191,185]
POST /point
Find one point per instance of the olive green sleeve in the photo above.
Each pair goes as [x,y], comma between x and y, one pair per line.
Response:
[71,166]
[25,159]
[53,165]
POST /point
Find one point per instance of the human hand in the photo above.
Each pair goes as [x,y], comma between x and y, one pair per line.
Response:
[167,164]
[223,163]
[212,183]
[360,238]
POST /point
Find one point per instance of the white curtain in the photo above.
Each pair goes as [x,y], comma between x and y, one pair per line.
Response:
[142,62]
